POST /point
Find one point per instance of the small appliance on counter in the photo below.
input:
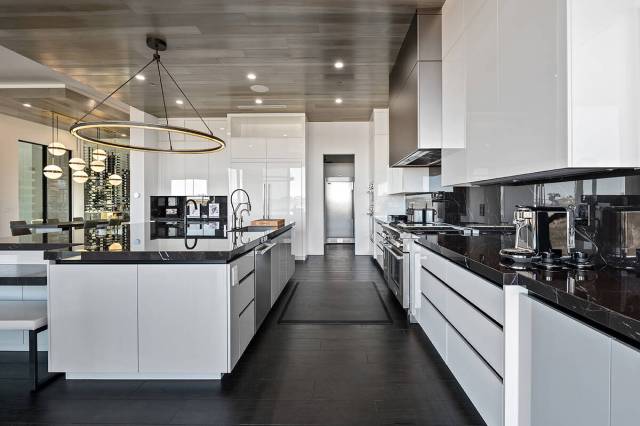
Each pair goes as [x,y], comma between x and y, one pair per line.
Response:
[621,242]
[521,254]
[397,218]
[421,216]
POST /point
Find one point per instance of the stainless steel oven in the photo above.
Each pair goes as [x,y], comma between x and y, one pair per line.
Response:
[395,271]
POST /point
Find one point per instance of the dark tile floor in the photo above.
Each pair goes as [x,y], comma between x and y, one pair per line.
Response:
[290,374]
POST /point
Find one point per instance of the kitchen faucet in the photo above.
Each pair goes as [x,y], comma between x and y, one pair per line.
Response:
[238,210]
[186,210]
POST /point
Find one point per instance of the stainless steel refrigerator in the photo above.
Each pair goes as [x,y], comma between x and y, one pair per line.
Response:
[338,214]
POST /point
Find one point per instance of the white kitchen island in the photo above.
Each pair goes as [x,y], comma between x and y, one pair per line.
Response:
[170,313]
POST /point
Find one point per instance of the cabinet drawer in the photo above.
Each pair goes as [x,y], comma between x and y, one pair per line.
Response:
[242,267]
[434,326]
[483,334]
[479,382]
[242,294]
[436,264]
[246,326]
[485,295]
[434,290]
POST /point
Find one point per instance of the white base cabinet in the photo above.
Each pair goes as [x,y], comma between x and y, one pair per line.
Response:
[462,316]
[482,386]
[93,318]
[565,369]
[625,376]
[180,324]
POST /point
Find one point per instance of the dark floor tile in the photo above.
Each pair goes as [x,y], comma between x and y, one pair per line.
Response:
[290,374]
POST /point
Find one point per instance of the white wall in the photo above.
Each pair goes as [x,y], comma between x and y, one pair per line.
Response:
[144,168]
[11,130]
[337,138]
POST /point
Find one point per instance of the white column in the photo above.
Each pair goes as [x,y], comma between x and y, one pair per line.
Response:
[512,356]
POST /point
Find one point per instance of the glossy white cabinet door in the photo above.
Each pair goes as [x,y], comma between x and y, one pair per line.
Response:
[434,325]
[252,178]
[242,302]
[285,148]
[93,324]
[483,387]
[285,196]
[625,376]
[454,96]
[565,369]
[605,83]
[247,148]
[182,318]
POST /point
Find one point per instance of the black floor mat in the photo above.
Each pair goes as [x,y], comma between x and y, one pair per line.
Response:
[335,302]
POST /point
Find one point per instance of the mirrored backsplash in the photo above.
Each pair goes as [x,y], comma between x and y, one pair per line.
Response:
[607,208]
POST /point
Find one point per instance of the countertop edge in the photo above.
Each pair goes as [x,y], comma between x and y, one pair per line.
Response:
[162,257]
[610,322]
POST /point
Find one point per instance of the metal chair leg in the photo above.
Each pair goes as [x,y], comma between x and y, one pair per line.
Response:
[33,362]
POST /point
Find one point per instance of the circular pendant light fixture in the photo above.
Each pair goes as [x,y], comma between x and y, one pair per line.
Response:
[97,166]
[87,131]
[80,176]
[56,149]
[115,180]
[52,171]
[99,154]
[77,163]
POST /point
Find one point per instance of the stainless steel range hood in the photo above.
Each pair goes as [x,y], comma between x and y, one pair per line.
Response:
[415,96]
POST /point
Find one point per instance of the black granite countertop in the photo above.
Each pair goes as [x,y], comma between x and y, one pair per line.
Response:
[141,243]
[604,297]
[27,275]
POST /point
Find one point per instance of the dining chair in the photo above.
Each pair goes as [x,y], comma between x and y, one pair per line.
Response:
[18,231]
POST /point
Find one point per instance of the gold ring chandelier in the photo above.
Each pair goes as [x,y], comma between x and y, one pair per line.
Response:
[82,130]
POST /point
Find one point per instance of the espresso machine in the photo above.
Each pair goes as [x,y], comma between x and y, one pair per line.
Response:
[621,235]
[542,233]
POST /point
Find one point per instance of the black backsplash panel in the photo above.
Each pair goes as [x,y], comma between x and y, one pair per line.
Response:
[494,204]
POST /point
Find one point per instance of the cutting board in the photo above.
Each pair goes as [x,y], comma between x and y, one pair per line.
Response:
[276,223]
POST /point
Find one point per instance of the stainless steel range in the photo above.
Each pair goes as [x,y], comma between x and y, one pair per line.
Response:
[396,262]
[397,241]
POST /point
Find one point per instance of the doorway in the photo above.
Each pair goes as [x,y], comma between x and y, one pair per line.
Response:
[339,175]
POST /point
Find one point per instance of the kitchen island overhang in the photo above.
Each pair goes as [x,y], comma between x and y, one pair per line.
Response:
[148,314]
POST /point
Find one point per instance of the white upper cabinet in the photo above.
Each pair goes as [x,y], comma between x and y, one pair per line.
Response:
[407,180]
[267,136]
[530,87]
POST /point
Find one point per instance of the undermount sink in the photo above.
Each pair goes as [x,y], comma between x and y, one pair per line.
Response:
[253,228]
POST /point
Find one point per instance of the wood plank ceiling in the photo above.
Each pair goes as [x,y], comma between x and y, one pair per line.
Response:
[290,45]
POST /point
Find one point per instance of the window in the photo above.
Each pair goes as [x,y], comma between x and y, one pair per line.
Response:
[41,198]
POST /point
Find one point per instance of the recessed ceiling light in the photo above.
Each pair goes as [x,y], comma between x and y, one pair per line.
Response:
[124,135]
[338,100]
[259,88]
[140,77]
[258,101]
[221,128]
[179,101]
[338,65]
[285,135]
[251,76]
[26,105]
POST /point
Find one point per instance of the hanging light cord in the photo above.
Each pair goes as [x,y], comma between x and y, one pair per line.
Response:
[185,96]
[114,92]
[156,58]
